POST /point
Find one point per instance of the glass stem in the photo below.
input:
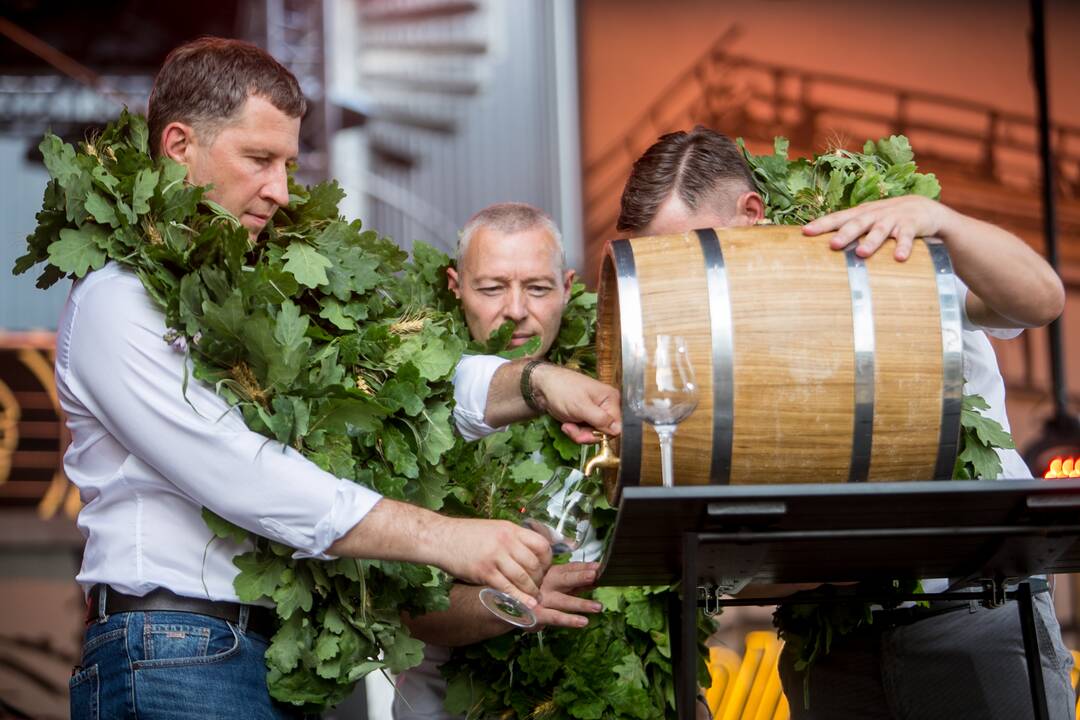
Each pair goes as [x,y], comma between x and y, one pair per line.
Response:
[667,460]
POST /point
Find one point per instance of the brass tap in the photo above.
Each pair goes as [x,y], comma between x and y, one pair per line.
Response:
[605,458]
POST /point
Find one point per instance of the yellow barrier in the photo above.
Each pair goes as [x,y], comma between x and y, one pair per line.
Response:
[1076,676]
[747,688]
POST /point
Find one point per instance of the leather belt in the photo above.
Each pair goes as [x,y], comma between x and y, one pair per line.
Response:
[261,620]
[897,617]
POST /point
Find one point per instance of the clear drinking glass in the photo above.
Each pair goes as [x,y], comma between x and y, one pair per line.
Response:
[669,395]
[561,512]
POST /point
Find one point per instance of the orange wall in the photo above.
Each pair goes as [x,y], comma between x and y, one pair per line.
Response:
[630,49]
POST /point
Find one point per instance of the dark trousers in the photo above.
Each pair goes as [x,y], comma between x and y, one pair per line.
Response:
[952,666]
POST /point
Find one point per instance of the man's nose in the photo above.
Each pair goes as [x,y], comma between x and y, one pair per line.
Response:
[515,308]
[276,190]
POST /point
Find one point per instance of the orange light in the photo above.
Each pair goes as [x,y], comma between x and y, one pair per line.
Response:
[1062,467]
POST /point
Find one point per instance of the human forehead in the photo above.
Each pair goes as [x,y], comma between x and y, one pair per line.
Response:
[675,216]
[530,253]
[260,127]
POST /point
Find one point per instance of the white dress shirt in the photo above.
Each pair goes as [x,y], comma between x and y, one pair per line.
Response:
[472,378]
[146,459]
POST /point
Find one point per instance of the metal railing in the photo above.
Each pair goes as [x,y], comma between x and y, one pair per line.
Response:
[759,100]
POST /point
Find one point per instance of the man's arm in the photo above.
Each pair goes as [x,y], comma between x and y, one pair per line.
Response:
[1010,284]
[495,553]
[578,401]
[467,621]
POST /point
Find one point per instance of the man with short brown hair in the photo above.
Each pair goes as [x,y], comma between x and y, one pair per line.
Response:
[167,636]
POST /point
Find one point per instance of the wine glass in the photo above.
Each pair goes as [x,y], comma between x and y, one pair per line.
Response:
[561,512]
[668,396]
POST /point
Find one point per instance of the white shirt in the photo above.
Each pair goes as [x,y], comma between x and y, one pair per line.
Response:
[146,460]
[982,377]
[472,379]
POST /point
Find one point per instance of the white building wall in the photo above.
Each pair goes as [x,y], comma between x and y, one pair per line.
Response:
[503,75]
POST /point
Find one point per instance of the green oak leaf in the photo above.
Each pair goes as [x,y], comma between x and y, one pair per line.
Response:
[403,653]
[293,593]
[437,432]
[259,575]
[306,265]
[223,528]
[289,643]
[145,184]
[101,210]
[79,251]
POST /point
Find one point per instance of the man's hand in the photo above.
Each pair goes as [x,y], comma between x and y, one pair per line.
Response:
[558,603]
[495,553]
[903,218]
[580,402]
[1011,286]
[467,621]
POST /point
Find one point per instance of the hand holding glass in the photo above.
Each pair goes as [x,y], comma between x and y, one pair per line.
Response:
[561,512]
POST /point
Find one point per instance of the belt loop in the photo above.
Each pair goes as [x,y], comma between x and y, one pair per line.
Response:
[242,623]
[102,594]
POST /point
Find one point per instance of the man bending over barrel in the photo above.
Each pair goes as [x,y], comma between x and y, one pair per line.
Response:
[949,660]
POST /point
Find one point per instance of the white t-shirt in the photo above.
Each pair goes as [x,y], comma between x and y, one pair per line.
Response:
[982,377]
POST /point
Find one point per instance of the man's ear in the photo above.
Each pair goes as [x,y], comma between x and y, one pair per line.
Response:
[749,209]
[452,282]
[177,142]
[568,284]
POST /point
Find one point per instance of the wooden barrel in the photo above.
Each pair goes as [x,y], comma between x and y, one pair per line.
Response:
[813,365]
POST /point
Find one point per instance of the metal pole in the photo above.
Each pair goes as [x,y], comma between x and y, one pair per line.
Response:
[1031,651]
[1049,186]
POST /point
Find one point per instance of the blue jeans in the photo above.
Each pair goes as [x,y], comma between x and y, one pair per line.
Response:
[172,665]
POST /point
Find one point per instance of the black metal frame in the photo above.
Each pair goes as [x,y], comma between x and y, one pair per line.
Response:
[978,533]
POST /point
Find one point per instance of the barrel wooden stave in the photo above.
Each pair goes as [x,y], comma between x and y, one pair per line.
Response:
[908,369]
[794,360]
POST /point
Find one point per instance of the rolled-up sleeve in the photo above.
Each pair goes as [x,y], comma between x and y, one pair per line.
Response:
[999,333]
[133,382]
[472,380]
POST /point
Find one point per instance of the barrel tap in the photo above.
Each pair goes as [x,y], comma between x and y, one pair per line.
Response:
[605,458]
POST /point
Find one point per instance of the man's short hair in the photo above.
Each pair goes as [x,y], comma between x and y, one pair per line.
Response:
[204,83]
[702,166]
[509,218]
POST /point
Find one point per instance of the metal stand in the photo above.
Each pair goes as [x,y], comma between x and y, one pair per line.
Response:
[977,533]
[1031,651]
[683,615]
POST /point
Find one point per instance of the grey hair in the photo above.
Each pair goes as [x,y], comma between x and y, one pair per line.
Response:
[508,218]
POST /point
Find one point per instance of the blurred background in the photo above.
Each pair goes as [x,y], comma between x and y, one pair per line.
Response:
[428,110]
